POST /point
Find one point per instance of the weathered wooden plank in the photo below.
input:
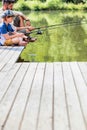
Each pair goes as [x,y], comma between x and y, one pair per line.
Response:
[60,108]
[42,98]
[83,69]
[2,49]
[4,85]
[74,112]
[9,98]
[9,60]
[31,113]
[15,57]
[81,88]
[4,53]
[16,114]
[9,55]
[5,69]
[2,66]
[45,118]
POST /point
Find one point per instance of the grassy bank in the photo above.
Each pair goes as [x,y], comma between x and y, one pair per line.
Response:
[50,5]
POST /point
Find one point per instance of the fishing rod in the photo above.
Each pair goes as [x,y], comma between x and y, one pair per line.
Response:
[54,25]
[38,30]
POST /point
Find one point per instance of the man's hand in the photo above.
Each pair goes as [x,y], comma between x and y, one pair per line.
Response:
[30,28]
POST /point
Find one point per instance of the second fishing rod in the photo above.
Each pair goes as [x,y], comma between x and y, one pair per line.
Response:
[38,30]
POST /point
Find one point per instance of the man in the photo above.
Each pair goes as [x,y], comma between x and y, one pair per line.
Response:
[20,23]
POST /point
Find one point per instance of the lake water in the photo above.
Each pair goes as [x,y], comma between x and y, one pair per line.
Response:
[66,42]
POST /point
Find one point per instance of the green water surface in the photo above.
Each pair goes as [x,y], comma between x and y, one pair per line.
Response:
[63,43]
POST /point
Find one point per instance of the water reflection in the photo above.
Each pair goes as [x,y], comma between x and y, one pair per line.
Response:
[63,43]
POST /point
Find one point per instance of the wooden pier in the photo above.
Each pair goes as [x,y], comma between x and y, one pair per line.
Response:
[41,96]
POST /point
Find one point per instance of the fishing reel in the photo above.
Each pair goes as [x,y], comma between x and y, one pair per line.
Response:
[39,32]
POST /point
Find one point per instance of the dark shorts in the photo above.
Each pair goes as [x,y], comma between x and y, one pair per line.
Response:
[22,31]
[17,24]
[17,21]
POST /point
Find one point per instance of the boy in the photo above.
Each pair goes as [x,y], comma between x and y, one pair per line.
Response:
[7,35]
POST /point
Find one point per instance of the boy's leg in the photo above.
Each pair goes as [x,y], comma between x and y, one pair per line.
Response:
[19,41]
[15,41]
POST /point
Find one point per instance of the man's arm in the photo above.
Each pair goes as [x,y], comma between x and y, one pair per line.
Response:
[20,14]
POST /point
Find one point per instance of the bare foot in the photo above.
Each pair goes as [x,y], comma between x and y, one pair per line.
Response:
[23,43]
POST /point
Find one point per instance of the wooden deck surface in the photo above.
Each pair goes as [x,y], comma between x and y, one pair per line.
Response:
[41,96]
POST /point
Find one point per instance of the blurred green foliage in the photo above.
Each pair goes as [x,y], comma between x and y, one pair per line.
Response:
[38,5]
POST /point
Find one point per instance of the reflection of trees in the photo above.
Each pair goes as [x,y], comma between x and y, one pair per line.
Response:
[46,41]
[76,32]
[72,19]
[77,35]
[41,48]
[65,43]
[70,43]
